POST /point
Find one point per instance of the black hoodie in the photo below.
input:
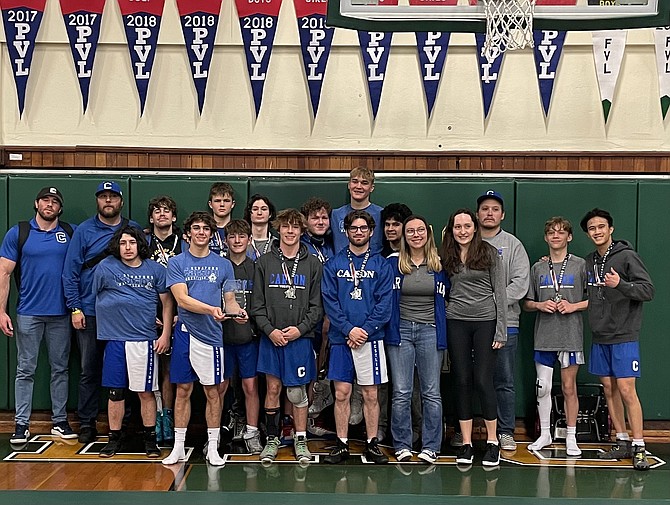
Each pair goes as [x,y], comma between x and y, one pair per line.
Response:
[615,314]
[269,306]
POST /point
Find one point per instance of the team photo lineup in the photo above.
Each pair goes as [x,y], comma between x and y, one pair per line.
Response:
[283,313]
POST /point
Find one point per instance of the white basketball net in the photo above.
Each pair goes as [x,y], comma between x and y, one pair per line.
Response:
[509,26]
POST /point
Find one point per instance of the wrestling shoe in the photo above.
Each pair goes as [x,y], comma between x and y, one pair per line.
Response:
[339,454]
[269,452]
[622,449]
[640,461]
[373,452]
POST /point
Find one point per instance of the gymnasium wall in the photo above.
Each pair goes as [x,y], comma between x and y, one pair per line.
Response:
[53,115]
[635,205]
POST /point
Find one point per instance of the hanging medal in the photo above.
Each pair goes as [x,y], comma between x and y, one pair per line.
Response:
[357,292]
[599,269]
[290,293]
[558,282]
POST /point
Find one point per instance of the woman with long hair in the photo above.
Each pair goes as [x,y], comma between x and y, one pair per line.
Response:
[417,336]
[476,324]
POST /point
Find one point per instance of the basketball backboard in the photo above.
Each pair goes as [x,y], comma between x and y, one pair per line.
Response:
[469,15]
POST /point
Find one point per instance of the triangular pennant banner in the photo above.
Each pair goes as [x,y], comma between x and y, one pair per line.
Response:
[662,41]
[548,49]
[375,48]
[142,22]
[258,22]
[199,23]
[488,73]
[608,49]
[432,48]
[316,39]
[82,22]
[22,19]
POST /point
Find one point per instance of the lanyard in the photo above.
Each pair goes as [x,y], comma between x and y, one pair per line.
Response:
[557,283]
[599,266]
[352,268]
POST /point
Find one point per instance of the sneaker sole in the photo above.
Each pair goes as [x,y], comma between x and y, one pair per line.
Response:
[427,459]
[61,435]
[491,463]
[463,461]
[18,441]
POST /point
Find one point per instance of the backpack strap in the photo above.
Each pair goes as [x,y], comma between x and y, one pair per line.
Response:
[102,255]
[24,231]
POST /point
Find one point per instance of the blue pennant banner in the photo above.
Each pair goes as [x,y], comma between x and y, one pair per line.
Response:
[488,73]
[432,48]
[375,48]
[548,49]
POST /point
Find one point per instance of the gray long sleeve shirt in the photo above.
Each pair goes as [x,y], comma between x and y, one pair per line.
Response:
[516,268]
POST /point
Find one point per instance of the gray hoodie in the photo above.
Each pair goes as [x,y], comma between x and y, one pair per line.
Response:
[517,272]
[615,314]
[270,307]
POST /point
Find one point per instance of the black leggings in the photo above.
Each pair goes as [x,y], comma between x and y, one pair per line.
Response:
[473,361]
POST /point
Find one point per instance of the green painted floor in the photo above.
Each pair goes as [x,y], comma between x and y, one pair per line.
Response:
[356,483]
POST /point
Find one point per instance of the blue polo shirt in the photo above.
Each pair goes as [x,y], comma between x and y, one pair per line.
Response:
[42,259]
[90,239]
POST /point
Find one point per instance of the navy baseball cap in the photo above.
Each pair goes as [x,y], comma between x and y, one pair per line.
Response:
[50,191]
[109,186]
[491,194]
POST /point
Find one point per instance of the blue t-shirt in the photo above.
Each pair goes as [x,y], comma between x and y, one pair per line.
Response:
[42,258]
[126,299]
[90,239]
[206,280]
[340,240]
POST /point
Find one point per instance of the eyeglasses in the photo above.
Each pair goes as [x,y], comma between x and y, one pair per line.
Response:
[365,228]
[411,231]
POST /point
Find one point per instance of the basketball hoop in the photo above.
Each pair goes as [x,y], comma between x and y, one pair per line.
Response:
[509,26]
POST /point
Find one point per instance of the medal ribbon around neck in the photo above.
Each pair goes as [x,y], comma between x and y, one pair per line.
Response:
[289,278]
[352,268]
[266,247]
[599,266]
[558,283]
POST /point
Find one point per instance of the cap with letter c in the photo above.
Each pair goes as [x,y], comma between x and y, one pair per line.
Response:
[109,186]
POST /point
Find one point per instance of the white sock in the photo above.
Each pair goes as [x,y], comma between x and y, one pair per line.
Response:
[571,446]
[494,442]
[622,436]
[178,454]
[250,432]
[212,455]
[543,441]
[301,434]
[638,442]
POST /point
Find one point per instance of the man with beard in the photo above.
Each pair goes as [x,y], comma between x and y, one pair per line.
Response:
[88,248]
[35,251]
[516,266]
[357,295]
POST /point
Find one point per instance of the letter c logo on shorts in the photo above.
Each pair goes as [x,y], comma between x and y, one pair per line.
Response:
[301,371]
[636,365]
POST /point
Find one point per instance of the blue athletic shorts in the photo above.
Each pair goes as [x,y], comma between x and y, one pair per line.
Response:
[565,358]
[294,364]
[244,357]
[365,365]
[193,360]
[615,360]
[130,364]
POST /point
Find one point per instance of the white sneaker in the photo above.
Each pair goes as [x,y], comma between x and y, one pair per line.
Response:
[176,456]
[212,457]
[403,455]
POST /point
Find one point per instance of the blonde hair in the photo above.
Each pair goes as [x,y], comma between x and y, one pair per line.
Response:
[364,173]
[433,261]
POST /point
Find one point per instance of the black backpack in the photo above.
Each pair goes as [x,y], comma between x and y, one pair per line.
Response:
[24,231]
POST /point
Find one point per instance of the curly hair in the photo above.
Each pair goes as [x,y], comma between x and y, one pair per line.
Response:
[114,247]
[315,204]
[204,217]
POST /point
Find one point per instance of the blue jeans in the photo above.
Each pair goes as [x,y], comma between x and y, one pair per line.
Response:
[504,384]
[418,346]
[91,350]
[30,330]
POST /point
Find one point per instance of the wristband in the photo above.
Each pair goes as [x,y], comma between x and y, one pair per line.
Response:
[75,311]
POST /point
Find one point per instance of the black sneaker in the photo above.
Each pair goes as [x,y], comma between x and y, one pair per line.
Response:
[113,446]
[373,452]
[621,450]
[492,455]
[150,447]
[21,434]
[465,455]
[640,461]
[63,430]
[87,434]
[339,454]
